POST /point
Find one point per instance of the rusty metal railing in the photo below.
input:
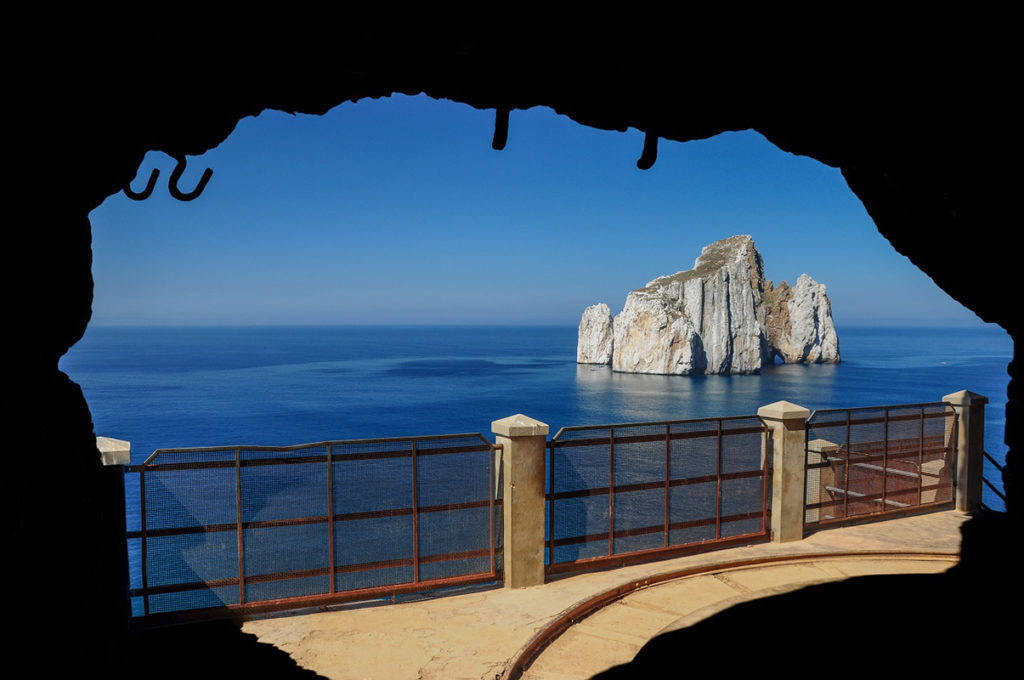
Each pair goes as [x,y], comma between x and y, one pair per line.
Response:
[244,529]
[879,460]
[638,491]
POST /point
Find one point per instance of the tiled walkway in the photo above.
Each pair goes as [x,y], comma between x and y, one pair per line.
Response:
[616,632]
[481,634]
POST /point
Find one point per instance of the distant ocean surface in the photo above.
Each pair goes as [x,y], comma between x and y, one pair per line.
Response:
[164,387]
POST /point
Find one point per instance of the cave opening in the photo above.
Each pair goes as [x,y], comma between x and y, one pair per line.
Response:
[395,211]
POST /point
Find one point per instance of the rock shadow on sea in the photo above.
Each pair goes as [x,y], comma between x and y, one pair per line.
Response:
[453,367]
[677,397]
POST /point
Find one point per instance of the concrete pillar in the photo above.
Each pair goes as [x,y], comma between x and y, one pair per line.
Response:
[114,451]
[523,440]
[788,423]
[970,445]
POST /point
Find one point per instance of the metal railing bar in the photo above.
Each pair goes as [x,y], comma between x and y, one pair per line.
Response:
[357,595]
[312,445]
[551,505]
[767,445]
[880,406]
[920,461]
[423,559]
[653,553]
[298,460]
[645,438]
[879,515]
[885,456]
[890,470]
[646,486]
[668,478]
[321,444]
[718,484]
[611,491]
[846,470]
[865,498]
[330,514]
[862,497]
[655,528]
[373,566]
[238,510]
[605,426]
[491,493]
[415,520]
[997,491]
[933,440]
[145,558]
[872,421]
[315,519]
[872,457]
[992,460]
[310,573]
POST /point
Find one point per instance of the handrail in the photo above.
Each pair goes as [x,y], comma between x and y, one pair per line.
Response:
[882,406]
[332,442]
[710,419]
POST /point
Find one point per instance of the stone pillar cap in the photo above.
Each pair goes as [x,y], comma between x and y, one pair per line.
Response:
[965,398]
[114,451]
[519,426]
[783,410]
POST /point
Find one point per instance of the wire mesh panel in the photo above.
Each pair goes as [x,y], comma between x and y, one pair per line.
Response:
[284,527]
[259,528]
[636,491]
[374,532]
[879,460]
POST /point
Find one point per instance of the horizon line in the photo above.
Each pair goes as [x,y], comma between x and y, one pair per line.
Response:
[931,324]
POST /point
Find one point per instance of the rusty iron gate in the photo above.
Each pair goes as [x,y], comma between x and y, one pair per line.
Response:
[244,529]
[879,460]
[633,492]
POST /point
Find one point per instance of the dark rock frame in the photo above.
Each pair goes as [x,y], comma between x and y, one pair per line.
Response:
[916,114]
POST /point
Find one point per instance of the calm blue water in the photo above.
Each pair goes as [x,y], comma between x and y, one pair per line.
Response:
[201,386]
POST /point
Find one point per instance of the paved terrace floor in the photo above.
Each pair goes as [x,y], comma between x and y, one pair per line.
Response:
[481,634]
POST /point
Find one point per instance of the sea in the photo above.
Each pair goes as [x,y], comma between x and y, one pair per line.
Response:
[161,387]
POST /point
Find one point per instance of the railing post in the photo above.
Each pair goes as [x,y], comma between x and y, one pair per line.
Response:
[970,447]
[789,466]
[523,441]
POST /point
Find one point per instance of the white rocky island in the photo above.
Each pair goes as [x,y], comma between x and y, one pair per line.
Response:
[722,316]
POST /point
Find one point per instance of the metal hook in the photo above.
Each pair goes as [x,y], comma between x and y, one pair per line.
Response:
[144,194]
[172,183]
[500,129]
[650,152]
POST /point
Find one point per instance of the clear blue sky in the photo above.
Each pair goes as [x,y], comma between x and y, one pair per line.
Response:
[398,211]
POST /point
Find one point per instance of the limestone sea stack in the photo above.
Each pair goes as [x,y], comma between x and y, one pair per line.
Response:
[594,345]
[722,316]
